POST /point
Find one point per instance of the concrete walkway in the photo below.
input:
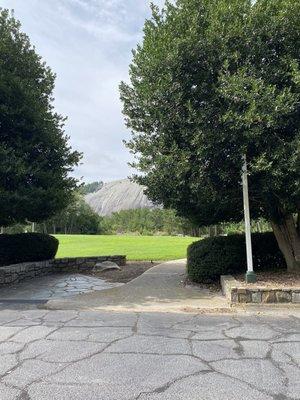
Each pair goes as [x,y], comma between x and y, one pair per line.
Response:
[161,288]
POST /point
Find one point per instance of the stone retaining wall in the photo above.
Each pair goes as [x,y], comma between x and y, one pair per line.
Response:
[236,293]
[80,264]
[20,272]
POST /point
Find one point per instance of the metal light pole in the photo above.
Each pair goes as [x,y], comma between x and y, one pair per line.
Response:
[250,274]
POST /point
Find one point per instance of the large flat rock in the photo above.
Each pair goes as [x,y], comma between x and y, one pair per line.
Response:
[118,195]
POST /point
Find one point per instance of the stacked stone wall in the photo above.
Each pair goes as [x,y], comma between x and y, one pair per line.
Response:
[237,293]
[19,272]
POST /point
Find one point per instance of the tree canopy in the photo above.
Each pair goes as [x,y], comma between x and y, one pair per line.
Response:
[91,187]
[213,80]
[35,156]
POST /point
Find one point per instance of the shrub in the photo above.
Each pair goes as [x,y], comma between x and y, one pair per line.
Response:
[25,247]
[209,258]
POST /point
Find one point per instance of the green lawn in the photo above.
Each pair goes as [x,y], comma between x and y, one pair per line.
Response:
[134,247]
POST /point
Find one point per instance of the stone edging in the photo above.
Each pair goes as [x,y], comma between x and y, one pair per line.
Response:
[77,264]
[236,293]
[20,272]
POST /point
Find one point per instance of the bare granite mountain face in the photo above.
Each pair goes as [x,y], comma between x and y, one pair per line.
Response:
[118,195]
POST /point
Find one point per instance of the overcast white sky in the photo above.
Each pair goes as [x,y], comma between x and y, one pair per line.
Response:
[88,45]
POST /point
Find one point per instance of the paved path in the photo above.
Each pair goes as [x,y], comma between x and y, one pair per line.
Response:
[161,288]
[88,355]
[105,354]
[52,287]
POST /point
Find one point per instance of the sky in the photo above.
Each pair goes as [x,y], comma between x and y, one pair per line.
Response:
[88,44]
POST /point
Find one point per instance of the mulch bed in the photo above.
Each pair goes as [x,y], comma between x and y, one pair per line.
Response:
[272,279]
[130,271]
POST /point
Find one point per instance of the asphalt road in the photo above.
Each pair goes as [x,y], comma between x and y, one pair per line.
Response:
[90,355]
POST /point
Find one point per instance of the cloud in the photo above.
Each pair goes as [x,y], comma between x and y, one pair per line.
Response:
[88,44]
[106,21]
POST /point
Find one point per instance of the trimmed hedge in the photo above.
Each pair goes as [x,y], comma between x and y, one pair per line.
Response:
[210,258]
[25,247]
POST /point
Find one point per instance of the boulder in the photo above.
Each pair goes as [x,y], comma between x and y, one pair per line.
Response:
[118,195]
[106,266]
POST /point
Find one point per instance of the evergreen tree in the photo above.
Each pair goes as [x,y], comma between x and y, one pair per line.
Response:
[35,157]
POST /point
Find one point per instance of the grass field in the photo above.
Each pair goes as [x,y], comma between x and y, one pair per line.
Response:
[134,247]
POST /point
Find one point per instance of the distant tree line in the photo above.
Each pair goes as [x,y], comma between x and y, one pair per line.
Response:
[91,187]
[146,221]
[79,218]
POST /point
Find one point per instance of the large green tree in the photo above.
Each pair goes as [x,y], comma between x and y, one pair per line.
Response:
[213,80]
[35,157]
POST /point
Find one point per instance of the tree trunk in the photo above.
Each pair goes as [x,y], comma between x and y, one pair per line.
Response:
[258,227]
[288,238]
[211,231]
[216,230]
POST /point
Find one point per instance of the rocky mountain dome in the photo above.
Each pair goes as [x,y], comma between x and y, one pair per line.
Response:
[118,195]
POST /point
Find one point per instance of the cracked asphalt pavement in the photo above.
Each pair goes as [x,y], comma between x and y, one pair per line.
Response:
[87,355]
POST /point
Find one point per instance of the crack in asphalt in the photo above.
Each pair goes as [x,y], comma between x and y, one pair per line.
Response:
[165,387]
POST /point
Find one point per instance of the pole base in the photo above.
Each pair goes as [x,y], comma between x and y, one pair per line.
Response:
[250,277]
